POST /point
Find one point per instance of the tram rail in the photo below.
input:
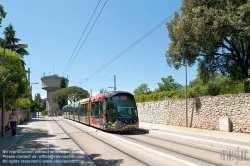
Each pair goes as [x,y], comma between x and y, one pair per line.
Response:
[105,142]
[89,158]
[159,150]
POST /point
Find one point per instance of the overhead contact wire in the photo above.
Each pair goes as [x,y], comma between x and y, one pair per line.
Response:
[131,46]
[82,36]
[87,34]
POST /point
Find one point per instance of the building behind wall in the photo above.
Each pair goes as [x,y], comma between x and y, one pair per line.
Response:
[51,84]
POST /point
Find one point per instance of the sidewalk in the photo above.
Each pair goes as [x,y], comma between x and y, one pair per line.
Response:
[241,137]
[43,135]
[40,142]
[218,139]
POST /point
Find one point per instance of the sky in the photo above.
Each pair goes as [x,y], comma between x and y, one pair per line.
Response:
[53,29]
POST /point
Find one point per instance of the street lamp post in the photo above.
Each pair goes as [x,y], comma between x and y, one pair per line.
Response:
[3,87]
[114,84]
[3,98]
[180,64]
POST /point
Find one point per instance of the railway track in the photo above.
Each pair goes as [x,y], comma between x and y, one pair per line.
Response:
[183,153]
[186,151]
[89,158]
[97,161]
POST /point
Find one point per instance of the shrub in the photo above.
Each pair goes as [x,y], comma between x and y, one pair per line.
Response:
[159,96]
[213,89]
[45,112]
[21,121]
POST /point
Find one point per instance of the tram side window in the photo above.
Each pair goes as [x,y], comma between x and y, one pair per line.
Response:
[111,113]
[85,106]
[101,110]
[95,109]
[75,110]
[81,110]
[70,110]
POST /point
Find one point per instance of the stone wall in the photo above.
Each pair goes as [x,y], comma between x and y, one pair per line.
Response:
[22,114]
[203,113]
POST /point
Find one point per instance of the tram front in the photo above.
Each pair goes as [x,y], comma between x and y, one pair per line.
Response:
[122,112]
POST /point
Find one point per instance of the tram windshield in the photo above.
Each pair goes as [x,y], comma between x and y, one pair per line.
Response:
[126,106]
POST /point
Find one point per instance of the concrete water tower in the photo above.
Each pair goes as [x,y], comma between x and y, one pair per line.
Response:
[51,84]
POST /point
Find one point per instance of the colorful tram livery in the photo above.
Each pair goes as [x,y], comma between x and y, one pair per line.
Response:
[110,111]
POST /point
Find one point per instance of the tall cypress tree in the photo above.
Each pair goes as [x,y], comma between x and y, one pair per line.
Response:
[62,83]
[63,101]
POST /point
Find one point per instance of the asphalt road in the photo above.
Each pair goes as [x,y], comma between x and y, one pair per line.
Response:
[143,148]
[58,141]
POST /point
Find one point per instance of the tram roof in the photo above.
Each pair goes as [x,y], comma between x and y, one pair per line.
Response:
[113,93]
[74,104]
[109,94]
[98,97]
[84,101]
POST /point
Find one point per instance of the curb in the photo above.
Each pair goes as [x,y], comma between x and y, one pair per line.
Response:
[207,142]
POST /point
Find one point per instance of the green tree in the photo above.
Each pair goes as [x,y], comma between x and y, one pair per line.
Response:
[213,89]
[72,94]
[196,88]
[13,78]
[195,82]
[36,103]
[4,75]
[43,104]
[23,103]
[216,33]
[10,37]
[63,83]
[196,91]
[63,101]
[38,97]
[168,84]
[142,89]
[227,84]
[2,14]
[103,90]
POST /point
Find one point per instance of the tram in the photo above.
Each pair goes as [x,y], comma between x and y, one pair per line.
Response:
[109,111]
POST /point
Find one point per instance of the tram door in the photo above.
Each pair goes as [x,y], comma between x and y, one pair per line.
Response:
[94,115]
[101,114]
[97,113]
[111,115]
